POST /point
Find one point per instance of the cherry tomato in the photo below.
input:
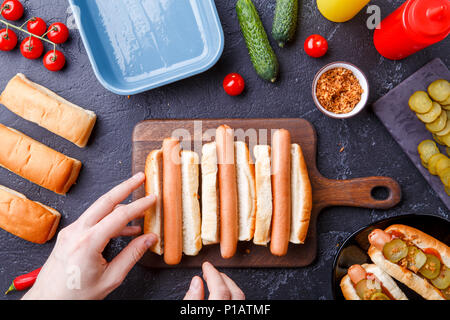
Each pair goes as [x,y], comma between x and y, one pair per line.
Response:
[58,33]
[12,10]
[31,48]
[233,84]
[316,46]
[54,60]
[8,40]
[37,26]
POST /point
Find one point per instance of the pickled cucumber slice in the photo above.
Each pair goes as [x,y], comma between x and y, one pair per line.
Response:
[446,107]
[367,288]
[446,129]
[420,102]
[446,103]
[446,139]
[395,250]
[379,296]
[433,162]
[416,258]
[431,268]
[438,140]
[442,164]
[439,90]
[424,164]
[427,149]
[445,177]
[438,124]
[431,115]
[443,279]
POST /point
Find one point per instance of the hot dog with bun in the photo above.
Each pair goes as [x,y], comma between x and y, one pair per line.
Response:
[369,282]
[414,258]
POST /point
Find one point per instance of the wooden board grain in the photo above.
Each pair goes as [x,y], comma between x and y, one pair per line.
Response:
[403,124]
[148,135]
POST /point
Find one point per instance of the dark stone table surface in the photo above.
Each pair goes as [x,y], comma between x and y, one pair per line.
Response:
[368,149]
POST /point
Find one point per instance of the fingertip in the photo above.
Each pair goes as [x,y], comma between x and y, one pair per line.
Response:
[139,176]
[150,240]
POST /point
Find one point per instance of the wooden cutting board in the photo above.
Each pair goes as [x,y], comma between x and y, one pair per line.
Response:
[148,135]
[404,126]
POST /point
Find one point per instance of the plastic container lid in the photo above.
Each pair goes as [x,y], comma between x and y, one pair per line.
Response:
[430,18]
[138,45]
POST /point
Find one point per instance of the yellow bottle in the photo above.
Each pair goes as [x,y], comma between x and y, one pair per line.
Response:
[340,10]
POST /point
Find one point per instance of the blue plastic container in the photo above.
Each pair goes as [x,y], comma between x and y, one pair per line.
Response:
[138,45]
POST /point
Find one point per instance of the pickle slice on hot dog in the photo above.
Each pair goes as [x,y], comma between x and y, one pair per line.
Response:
[422,266]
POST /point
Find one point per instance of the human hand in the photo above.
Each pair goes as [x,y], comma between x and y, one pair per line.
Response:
[220,286]
[76,268]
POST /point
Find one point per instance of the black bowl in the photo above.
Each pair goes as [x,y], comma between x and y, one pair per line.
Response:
[354,249]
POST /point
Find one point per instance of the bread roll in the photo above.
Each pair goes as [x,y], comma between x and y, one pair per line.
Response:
[153,222]
[192,241]
[301,196]
[172,201]
[37,104]
[27,219]
[210,195]
[245,175]
[263,195]
[36,162]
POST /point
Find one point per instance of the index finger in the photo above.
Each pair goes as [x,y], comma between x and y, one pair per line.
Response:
[106,203]
[218,289]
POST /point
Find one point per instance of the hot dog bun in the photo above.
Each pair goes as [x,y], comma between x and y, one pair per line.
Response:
[172,201]
[36,162]
[404,275]
[27,219]
[153,220]
[245,174]
[263,195]
[192,241]
[210,195]
[301,196]
[388,283]
[229,229]
[281,189]
[37,104]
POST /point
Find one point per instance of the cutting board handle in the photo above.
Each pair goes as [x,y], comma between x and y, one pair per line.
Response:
[358,193]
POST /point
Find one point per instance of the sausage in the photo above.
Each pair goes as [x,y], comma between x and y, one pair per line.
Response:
[228,202]
[378,238]
[356,273]
[281,189]
[172,201]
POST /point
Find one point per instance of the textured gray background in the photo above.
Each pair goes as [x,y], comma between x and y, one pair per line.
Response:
[368,147]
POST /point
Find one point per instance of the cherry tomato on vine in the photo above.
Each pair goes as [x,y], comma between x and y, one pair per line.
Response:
[31,48]
[37,26]
[12,10]
[8,40]
[233,84]
[58,33]
[316,46]
[54,60]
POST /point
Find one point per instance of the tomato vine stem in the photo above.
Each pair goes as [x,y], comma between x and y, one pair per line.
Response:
[10,25]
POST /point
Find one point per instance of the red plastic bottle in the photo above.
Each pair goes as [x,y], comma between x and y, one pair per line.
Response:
[414,26]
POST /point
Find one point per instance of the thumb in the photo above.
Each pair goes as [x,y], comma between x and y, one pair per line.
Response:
[125,260]
[196,290]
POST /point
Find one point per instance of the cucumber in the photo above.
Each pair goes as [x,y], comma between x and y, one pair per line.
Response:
[285,21]
[261,53]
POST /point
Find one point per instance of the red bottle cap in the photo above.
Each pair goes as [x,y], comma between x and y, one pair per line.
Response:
[430,18]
